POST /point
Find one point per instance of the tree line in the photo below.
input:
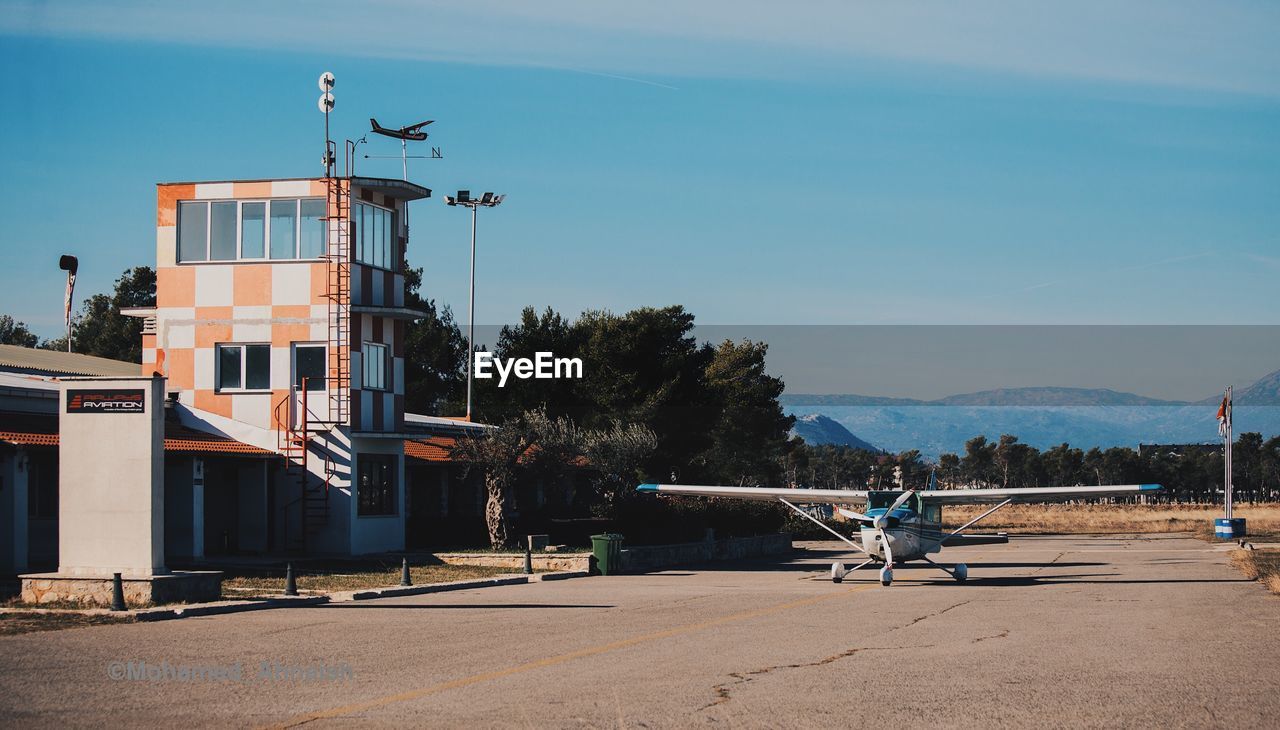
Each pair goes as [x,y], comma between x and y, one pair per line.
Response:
[655,404]
[1191,473]
[98,328]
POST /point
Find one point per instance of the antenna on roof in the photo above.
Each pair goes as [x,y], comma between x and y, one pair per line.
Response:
[326,105]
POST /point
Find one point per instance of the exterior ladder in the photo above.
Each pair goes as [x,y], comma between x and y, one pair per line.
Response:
[338,294]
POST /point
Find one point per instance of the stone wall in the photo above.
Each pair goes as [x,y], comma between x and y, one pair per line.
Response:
[543,562]
[177,587]
[652,557]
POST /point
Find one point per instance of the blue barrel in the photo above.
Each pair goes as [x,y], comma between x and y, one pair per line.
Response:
[1228,529]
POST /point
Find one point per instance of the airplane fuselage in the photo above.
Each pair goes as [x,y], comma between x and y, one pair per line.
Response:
[911,538]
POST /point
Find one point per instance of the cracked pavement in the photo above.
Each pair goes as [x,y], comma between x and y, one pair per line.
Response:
[1071,631]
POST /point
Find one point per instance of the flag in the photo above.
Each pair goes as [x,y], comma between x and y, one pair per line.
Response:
[71,285]
[1224,415]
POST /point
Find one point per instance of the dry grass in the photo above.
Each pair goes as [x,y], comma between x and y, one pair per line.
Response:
[1040,519]
[1260,565]
[257,586]
[24,623]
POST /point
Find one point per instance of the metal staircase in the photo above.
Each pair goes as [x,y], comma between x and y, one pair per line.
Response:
[297,426]
[295,431]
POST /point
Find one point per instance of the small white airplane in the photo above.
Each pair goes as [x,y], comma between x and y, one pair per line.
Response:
[898,526]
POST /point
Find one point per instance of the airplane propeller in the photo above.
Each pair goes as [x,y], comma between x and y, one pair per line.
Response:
[883,520]
[857,516]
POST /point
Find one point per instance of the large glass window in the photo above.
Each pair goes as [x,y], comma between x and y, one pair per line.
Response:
[193,231]
[284,229]
[309,362]
[253,226]
[374,236]
[376,488]
[311,244]
[229,230]
[222,231]
[243,367]
[374,359]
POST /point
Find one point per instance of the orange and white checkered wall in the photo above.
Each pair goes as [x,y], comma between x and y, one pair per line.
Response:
[203,304]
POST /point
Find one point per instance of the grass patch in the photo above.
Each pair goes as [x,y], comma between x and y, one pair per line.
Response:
[240,586]
[1043,519]
[12,623]
[1260,565]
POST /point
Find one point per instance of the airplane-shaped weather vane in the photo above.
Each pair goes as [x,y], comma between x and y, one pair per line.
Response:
[412,132]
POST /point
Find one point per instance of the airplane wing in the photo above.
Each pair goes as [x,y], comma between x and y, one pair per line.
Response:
[1033,494]
[800,496]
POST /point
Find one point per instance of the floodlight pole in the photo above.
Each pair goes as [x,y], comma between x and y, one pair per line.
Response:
[471,312]
[488,200]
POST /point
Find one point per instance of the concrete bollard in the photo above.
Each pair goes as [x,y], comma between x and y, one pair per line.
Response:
[528,559]
[404,573]
[117,593]
[290,585]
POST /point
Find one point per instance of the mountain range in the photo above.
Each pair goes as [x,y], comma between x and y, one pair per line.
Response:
[816,428]
[1041,417]
[1264,392]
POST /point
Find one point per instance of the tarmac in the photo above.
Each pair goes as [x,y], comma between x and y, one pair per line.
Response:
[1061,631]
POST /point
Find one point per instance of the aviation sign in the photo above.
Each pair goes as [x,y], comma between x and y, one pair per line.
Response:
[106,401]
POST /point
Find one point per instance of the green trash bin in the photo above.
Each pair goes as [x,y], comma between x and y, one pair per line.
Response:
[607,549]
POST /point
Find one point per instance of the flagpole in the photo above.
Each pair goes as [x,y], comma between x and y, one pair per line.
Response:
[1226,461]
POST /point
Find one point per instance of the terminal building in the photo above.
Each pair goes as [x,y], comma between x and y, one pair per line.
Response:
[279,326]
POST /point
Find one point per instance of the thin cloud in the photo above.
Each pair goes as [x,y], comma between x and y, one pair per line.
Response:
[621,78]
[1164,43]
[1102,273]
[1271,261]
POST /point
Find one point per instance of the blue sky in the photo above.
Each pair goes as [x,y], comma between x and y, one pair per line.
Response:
[906,163]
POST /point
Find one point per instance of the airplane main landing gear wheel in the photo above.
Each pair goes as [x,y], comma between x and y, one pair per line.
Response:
[962,572]
[886,575]
[837,572]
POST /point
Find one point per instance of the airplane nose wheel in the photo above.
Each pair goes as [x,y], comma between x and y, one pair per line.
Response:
[886,575]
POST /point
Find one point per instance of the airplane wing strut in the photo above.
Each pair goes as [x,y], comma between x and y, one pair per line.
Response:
[968,524]
[819,523]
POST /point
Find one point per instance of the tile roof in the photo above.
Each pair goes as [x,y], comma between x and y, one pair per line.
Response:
[30,359]
[435,449]
[41,429]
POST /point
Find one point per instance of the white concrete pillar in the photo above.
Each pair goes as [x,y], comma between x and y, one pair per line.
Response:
[444,491]
[111,477]
[197,508]
[14,471]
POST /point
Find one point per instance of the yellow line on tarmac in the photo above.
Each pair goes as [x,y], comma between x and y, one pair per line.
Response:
[414,694]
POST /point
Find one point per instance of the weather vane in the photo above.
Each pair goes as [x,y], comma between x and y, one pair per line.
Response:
[413,132]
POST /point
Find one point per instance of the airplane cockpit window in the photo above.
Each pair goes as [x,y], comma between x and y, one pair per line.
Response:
[885,500]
